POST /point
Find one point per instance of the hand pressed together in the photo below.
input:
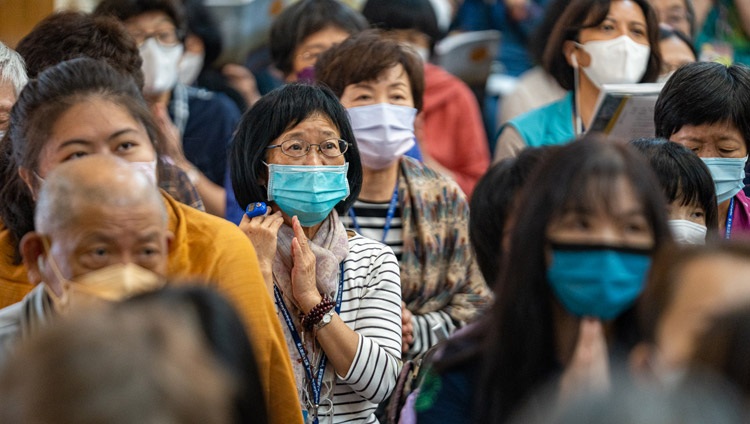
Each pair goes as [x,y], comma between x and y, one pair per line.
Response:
[304,287]
[588,370]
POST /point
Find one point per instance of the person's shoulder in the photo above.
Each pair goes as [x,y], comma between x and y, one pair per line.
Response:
[437,77]
[548,124]
[10,320]
[358,240]
[30,309]
[201,227]
[361,246]
[442,185]
[205,101]
[10,329]
[447,396]
[218,228]
[556,106]
[413,168]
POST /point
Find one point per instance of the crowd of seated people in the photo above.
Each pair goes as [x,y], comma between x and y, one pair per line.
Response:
[181,243]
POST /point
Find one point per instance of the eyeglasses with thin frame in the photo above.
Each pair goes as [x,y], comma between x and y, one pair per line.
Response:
[331,148]
[165,38]
[309,57]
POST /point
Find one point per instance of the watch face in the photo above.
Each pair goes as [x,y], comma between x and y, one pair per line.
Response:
[327,318]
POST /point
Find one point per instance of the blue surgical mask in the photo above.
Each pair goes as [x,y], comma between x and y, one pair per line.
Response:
[597,281]
[309,192]
[728,175]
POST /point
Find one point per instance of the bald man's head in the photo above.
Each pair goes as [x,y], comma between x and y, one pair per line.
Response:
[94,213]
[101,180]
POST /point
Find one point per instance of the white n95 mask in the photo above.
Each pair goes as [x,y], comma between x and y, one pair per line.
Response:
[190,67]
[687,232]
[617,61]
[160,66]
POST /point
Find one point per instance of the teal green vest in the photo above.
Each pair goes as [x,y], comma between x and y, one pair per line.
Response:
[548,125]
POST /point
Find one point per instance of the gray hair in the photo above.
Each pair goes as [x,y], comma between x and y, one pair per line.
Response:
[12,68]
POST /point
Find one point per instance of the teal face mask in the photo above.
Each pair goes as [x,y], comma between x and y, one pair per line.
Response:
[728,175]
[309,192]
[597,281]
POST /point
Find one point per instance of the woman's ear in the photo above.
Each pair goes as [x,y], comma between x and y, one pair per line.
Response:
[569,50]
[262,178]
[30,180]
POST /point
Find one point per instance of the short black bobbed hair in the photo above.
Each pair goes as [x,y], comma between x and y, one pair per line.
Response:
[275,113]
[683,176]
[704,93]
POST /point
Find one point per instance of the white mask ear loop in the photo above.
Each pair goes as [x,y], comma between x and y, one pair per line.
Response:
[576,86]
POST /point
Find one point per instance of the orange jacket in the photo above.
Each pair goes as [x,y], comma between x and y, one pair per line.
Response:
[212,249]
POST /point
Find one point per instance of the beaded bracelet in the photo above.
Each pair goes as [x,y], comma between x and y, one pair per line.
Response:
[316,313]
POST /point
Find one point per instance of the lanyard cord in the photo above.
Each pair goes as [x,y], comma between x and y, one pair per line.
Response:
[317,382]
[730,220]
[388,218]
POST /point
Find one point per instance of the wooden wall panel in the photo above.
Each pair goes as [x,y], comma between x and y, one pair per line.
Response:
[17,17]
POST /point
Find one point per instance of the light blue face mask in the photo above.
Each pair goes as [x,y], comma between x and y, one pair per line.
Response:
[728,175]
[597,281]
[309,192]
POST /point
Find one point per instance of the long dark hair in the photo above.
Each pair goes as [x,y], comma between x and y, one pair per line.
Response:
[38,108]
[517,347]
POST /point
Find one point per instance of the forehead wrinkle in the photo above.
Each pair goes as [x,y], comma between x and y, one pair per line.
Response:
[103,181]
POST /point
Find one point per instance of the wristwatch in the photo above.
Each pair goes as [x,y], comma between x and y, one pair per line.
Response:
[325,320]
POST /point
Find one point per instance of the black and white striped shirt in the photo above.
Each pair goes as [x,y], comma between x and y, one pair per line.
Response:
[371,218]
[371,306]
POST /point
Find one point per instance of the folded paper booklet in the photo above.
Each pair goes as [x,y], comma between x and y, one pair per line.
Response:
[626,110]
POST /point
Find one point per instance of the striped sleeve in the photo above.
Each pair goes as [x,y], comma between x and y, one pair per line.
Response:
[374,313]
[429,329]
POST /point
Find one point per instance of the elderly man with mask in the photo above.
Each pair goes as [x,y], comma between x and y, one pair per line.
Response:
[12,80]
[101,234]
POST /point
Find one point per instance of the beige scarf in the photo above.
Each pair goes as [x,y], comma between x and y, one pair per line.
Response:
[330,246]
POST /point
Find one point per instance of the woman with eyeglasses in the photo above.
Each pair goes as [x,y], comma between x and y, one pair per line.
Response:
[337,294]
